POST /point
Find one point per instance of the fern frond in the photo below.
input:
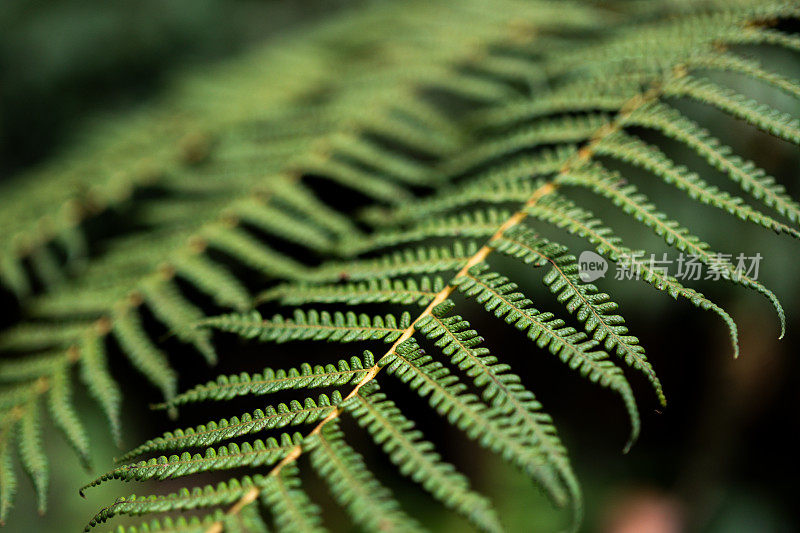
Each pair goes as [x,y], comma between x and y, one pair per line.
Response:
[497,294]
[502,389]
[31,451]
[143,354]
[204,435]
[99,382]
[8,479]
[30,235]
[345,166]
[762,116]
[729,62]
[62,411]
[241,246]
[368,153]
[564,101]
[30,368]
[547,131]
[247,520]
[270,381]
[178,314]
[562,213]
[422,260]
[397,291]
[767,35]
[476,224]
[291,507]
[446,394]
[212,279]
[502,193]
[369,503]
[312,325]
[280,223]
[39,336]
[751,178]
[196,498]
[634,151]
[299,198]
[15,395]
[257,453]
[637,205]
[594,309]
[416,458]
[354,178]
[181,524]
[542,163]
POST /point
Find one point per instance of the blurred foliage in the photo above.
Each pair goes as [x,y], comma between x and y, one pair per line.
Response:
[62,59]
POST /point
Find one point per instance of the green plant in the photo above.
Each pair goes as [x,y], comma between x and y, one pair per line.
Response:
[345,169]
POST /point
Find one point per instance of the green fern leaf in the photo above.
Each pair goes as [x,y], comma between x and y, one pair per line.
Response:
[447,395]
[270,381]
[634,151]
[185,499]
[147,358]
[178,315]
[64,415]
[415,457]
[751,178]
[594,309]
[8,479]
[31,452]
[358,179]
[204,435]
[368,502]
[397,291]
[101,386]
[762,116]
[497,294]
[638,206]
[563,213]
[291,507]
[312,325]
[257,453]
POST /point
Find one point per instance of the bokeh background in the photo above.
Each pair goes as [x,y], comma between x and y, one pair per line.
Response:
[719,458]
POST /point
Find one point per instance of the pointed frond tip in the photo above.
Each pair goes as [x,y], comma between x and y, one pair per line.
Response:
[593,308]
[501,389]
[185,499]
[269,381]
[627,197]
[563,213]
[500,297]
[448,396]
[233,455]
[351,483]
[294,413]
[416,458]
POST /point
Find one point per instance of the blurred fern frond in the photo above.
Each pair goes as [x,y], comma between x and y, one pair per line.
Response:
[341,168]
